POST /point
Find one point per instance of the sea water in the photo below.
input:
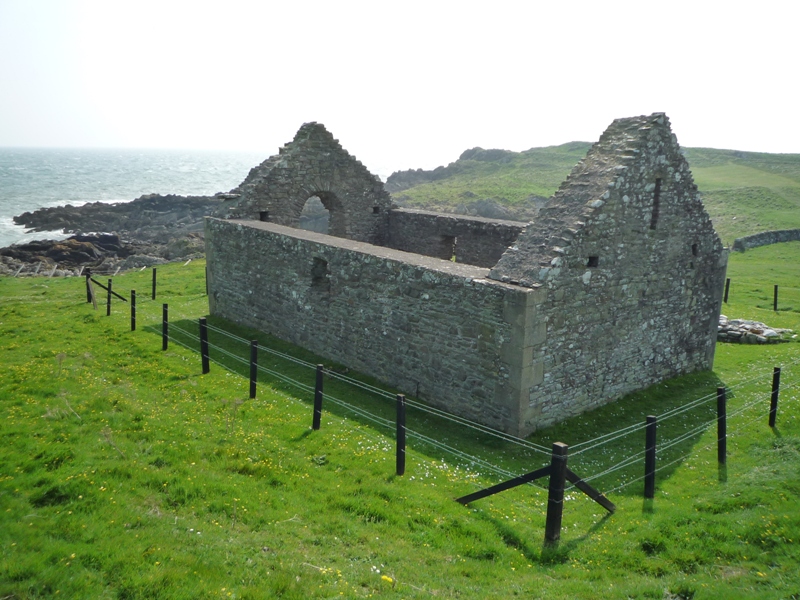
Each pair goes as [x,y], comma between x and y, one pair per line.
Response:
[38,178]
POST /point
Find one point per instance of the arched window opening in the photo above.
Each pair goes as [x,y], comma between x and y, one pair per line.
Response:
[314,216]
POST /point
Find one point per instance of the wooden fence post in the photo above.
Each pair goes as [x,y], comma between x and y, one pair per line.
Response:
[722,435]
[315,424]
[727,287]
[650,458]
[775,299]
[108,301]
[776,388]
[133,310]
[555,496]
[400,455]
[164,326]
[154,283]
[204,345]
[253,367]
[88,285]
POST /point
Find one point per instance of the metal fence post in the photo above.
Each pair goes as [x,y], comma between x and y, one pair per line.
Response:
[318,399]
[400,455]
[108,301]
[650,458]
[204,344]
[253,367]
[164,326]
[133,310]
[555,496]
[776,388]
[722,435]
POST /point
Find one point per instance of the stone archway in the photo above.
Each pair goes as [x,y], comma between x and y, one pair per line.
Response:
[319,205]
[314,216]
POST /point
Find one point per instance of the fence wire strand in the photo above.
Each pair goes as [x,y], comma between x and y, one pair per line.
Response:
[472,460]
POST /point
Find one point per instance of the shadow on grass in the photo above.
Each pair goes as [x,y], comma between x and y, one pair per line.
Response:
[587,459]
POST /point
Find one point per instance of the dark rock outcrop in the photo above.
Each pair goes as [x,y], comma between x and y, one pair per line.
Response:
[152,217]
[149,230]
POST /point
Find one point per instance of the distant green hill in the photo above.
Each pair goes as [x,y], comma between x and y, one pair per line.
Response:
[744,192]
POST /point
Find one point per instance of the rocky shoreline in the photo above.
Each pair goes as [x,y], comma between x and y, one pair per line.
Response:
[150,230]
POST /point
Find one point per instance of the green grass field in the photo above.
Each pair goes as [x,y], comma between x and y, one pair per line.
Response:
[125,473]
[744,192]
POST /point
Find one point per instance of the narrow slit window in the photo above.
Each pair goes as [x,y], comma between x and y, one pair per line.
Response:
[593,261]
[656,201]
[694,249]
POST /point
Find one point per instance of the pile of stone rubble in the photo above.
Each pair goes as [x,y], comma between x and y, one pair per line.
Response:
[740,331]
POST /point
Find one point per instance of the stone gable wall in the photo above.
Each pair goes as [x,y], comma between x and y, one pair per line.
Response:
[473,240]
[315,164]
[632,299]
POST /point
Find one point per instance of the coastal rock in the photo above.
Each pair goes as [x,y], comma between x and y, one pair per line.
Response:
[148,218]
[101,251]
[149,230]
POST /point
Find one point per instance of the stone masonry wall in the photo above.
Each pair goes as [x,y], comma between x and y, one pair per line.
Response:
[765,238]
[634,275]
[473,240]
[433,328]
[315,164]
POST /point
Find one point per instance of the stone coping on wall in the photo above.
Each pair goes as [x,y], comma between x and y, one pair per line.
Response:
[434,264]
[456,217]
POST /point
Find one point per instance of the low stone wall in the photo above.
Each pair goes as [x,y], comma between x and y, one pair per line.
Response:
[472,240]
[435,329]
[765,238]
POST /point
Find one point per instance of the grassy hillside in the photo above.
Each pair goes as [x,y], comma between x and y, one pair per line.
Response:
[744,192]
[511,179]
[125,473]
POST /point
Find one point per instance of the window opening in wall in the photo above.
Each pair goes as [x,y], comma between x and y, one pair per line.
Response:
[376,210]
[593,261]
[314,216]
[694,249]
[656,201]
[449,247]
[320,275]
[263,215]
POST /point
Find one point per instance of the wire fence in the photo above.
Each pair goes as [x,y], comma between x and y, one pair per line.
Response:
[610,475]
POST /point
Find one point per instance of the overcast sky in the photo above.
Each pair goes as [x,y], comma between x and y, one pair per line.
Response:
[400,84]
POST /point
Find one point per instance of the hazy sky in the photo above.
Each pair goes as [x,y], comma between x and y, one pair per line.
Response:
[401,84]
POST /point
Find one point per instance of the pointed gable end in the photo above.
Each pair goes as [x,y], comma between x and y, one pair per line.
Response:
[314,164]
[634,190]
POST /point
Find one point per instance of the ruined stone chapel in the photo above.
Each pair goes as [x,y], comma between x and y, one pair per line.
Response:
[615,286]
